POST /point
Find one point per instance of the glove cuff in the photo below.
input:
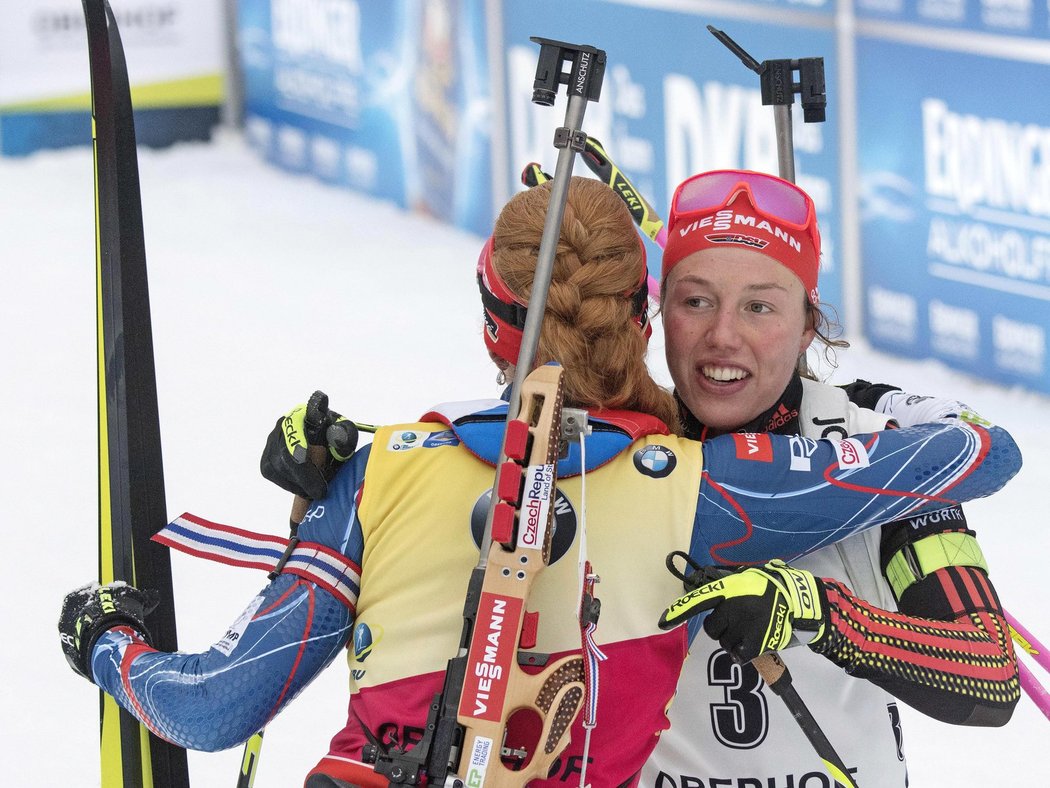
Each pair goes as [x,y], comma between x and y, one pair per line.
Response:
[812,631]
[99,628]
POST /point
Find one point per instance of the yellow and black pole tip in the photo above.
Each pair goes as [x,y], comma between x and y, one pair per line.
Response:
[533,175]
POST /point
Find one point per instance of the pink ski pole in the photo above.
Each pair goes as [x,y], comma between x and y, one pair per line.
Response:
[1029,683]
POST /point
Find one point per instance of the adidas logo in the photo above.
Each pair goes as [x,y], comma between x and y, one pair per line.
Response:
[781,417]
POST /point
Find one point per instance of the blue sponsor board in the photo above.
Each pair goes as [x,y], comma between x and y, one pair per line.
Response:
[955,209]
[391,98]
[675,101]
[1029,18]
[823,6]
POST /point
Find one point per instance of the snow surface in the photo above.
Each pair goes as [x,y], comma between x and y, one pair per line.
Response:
[265,286]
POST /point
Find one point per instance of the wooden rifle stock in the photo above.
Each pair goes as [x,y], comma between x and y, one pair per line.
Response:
[495,686]
[484,685]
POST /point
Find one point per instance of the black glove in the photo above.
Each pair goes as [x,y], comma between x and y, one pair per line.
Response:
[755,610]
[285,459]
[89,611]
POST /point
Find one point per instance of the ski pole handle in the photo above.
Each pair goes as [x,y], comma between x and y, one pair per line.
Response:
[778,85]
[777,676]
[314,420]
[650,223]
[317,455]
[771,668]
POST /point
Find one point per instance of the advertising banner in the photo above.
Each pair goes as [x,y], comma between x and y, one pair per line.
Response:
[391,98]
[175,54]
[675,102]
[823,6]
[1028,18]
[955,209]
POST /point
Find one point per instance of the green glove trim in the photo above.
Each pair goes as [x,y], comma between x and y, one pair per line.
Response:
[293,427]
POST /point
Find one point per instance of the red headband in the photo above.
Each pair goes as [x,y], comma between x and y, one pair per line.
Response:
[505,313]
[775,217]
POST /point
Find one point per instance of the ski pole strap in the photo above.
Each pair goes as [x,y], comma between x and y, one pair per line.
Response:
[225,544]
[916,560]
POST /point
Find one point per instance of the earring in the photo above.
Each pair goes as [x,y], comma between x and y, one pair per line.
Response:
[501,378]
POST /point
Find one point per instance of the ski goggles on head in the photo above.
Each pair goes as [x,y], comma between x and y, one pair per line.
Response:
[726,208]
[505,313]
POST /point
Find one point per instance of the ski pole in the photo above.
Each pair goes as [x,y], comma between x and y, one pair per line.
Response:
[585,84]
[1030,645]
[776,675]
[318,455]
[1028,641]
[598,161]
[250,760]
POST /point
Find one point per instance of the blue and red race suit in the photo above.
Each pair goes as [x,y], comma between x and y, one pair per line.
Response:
[406,513]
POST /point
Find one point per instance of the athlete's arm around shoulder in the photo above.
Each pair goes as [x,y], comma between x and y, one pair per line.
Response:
[937,572]
[766,496]
[287,634]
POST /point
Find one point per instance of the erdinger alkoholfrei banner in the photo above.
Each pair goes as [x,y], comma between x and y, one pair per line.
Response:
[175,55]
[675,101]
[955,209]
[390,97]
[1028,18]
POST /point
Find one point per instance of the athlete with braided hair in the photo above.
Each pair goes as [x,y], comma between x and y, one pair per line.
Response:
[910,608]
[404,513]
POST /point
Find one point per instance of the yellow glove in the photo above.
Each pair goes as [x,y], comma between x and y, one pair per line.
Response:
[756,609]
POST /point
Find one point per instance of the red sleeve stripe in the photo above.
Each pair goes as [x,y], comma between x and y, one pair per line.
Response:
[984,440]
[987,592]
[303,641]
[951,593]
[277,602]
[870,637]
[934,634]
[748,527]
[881,490]
[967,590]
[885,640]
[966,580]
[127,658]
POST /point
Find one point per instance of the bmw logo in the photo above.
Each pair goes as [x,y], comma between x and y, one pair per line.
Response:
[655,461]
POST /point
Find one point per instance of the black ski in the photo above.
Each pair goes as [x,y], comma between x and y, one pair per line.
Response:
[131,475]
